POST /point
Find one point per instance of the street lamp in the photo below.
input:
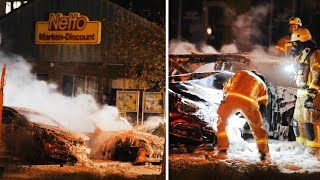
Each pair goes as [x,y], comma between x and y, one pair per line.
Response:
[209,31]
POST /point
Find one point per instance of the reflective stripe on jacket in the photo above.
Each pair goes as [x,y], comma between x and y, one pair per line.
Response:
[247,85]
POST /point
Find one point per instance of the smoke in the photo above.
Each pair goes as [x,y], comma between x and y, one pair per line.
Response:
[247,27]
[248,32]
[22,89]
[152,125]
[184,47]
[229,48]
[206,49]
[107,119]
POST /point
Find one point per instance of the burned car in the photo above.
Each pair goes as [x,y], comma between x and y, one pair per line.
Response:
[192,106]
[30,137]
[195,92]
[136,145]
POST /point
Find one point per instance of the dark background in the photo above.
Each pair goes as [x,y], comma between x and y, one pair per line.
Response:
[188,20]
[153,10]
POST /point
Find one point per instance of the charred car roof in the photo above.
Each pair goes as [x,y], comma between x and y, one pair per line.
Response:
[46,122]
[190,63]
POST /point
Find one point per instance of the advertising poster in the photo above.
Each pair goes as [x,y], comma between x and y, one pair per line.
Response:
[127,101]
[153,102]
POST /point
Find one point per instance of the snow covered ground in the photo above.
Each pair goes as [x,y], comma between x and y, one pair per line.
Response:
[287,156]
[290,160]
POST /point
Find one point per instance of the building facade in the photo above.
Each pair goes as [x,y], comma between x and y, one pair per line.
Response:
[95,66]
[98,69]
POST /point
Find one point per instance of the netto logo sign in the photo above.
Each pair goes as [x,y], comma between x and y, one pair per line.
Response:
[72,29]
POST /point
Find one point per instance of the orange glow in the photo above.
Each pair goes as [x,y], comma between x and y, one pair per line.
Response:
[1,91]
[209,31]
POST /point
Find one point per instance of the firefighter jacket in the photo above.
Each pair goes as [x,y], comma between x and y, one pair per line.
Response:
[307,76]
[284,45]
[247,85]
[245,91]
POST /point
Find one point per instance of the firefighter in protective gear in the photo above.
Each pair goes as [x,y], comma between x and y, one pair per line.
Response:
[245,91]
[284,44]
[307,108]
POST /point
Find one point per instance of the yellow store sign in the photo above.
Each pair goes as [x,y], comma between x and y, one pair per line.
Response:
[72,29]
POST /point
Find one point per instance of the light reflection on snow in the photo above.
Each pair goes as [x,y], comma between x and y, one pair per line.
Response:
[287,156]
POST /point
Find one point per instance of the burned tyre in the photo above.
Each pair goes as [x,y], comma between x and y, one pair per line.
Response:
[184,133]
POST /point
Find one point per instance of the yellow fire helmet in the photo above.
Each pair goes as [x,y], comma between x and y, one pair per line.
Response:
[295,20]
[302,35]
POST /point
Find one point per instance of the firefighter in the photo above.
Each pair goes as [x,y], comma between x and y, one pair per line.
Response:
[284,45]
[307,108]
[245,92]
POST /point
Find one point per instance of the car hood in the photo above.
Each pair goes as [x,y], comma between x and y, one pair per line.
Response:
[62,132]
[58,130]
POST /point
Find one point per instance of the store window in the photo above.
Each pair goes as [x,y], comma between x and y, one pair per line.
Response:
[75,85]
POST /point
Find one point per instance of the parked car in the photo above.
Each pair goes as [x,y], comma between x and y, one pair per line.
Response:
[30,137]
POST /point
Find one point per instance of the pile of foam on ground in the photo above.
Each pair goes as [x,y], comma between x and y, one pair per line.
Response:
[125,145]
[154,125]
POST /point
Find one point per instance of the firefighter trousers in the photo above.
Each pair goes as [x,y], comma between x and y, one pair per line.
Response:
[308,123]
[300,116]
[312,129]
[250,110]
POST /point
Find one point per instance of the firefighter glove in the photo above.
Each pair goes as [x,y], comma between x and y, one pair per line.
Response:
[309,102]
[312,94]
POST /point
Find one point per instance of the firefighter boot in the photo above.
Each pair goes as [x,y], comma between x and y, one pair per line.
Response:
[265,158]
[223,144]
[313,133]
[264,153]
[222,154]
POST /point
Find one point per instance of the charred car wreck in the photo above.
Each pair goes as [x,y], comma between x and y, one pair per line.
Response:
[195,92]
[29,137]
[127,145]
